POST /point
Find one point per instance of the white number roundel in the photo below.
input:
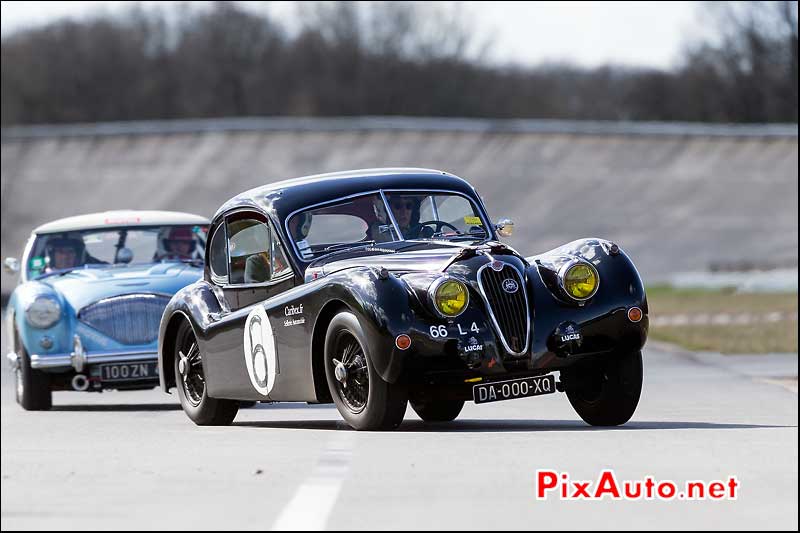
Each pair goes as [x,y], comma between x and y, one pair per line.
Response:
[259,351]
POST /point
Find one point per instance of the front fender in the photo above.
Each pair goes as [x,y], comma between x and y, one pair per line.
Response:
[382,304]
[603,318]
[196,303]
[388,306]
[30,337]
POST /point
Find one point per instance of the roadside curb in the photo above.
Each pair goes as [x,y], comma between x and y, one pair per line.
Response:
[761,366]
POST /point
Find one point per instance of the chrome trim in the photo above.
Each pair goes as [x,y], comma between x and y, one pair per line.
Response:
[269,283]
[389,212]
[110,300]
[435,208]
[216,278]
[159,294]
[432,292]
[80,383]
[78,355]
[13,360]
[26,252]
[563,271]
[65,360]
[491,312]
[481,213]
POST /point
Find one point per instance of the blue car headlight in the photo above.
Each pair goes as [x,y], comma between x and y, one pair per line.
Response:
[43,312]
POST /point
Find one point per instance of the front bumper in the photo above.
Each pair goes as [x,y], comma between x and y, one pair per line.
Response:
[79,359]
[78,363]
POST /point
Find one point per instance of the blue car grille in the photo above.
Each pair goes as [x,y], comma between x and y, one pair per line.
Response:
[129,319]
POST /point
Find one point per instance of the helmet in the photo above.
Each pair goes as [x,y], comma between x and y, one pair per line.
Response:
[62,244]
[181,233]
[168,237]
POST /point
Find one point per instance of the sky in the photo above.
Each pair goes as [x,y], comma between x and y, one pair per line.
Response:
[525,33]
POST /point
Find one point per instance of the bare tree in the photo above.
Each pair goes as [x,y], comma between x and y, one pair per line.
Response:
[377,58]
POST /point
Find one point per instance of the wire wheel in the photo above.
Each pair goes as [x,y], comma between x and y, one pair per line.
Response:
[190,367]
[349,365]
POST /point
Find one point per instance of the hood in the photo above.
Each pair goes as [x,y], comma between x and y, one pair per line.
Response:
[84,286]
[423,257]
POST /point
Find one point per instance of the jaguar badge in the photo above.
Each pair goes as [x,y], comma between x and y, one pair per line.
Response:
[510,286]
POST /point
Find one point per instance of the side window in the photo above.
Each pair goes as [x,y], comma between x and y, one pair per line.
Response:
[249,250]
[255,257]
[219,258]
[280,265]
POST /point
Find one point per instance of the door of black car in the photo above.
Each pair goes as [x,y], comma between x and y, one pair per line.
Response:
[257,269]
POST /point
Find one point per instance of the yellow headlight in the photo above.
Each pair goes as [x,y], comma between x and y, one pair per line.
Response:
[580,281]
[450,297]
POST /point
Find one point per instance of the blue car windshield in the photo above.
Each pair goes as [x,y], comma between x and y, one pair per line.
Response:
[64,251]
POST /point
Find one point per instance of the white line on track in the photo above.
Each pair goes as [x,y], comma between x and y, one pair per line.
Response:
[313,502]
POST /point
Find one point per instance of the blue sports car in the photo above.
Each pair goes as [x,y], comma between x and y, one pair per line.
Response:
[86,313]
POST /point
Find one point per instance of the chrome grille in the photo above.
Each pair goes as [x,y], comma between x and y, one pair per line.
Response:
[509,311]
[129,319]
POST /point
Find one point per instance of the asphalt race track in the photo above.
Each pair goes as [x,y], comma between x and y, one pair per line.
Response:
[133,460]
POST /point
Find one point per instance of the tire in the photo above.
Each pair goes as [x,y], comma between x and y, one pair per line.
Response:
[437,410]
[32,386]
[385,403]
[193,394]
[606,395]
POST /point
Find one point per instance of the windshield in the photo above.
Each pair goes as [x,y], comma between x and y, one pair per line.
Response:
[366,220]
[435,216]
[57,252]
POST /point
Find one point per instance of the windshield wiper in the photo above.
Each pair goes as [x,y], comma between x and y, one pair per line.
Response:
[443,235]
[65,271]
[346,245]
[196,261]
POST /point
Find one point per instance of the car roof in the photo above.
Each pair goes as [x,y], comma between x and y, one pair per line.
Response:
[284,197]
[112,219]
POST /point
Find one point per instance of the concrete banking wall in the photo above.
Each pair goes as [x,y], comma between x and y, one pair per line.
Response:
[677,197]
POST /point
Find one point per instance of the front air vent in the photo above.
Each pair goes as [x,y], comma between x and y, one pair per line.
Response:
[507,301]
[129,319]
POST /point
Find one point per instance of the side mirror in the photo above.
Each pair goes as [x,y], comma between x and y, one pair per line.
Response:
[505,227]
[11,265]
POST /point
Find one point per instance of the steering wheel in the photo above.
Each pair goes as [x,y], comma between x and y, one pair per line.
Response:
[439,225]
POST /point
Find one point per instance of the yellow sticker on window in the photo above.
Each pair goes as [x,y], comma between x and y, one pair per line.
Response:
[473,220]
